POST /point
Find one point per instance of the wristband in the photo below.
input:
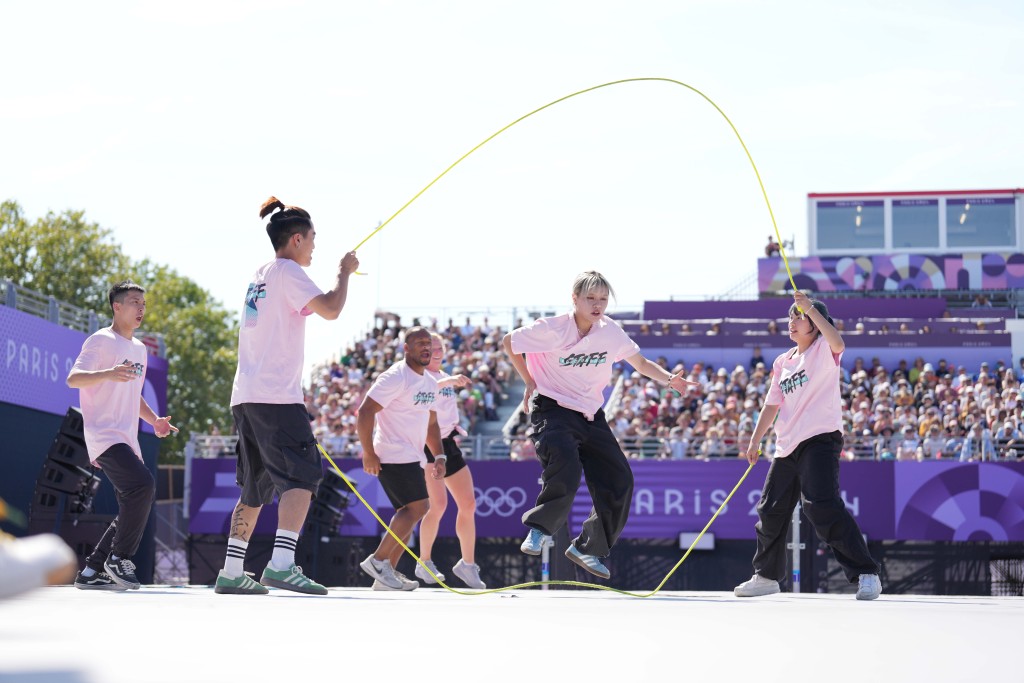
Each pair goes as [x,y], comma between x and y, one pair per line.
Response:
[441,457]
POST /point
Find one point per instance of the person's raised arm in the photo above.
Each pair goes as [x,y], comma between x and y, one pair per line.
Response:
[830,333]
[329,304]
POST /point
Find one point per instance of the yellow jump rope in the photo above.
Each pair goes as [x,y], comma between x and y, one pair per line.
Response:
[380,227]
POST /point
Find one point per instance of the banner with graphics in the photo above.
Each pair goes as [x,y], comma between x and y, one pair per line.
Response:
[902,501]
[36,357]
[893,272]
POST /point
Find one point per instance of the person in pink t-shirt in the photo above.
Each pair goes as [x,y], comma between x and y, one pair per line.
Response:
[566,362]
[804,397]
[109,375]
[397,416]
[277,452]
[457,479]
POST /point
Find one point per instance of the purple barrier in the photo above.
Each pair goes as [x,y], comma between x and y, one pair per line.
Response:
[969,350]
[894,307]
[903,501]
[899,272]
[37,357]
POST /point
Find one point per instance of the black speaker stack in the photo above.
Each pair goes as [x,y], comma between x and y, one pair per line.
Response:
[322,552]
[65,489]
[328,507]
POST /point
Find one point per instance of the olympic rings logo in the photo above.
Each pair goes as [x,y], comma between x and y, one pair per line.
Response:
[498,501]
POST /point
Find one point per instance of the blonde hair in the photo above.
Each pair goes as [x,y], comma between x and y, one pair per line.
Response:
[588,281]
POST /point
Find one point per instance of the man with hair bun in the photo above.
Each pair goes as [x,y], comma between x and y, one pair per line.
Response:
[277,452]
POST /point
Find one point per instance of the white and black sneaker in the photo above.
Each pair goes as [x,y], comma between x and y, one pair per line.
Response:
[122,571]
[99,581]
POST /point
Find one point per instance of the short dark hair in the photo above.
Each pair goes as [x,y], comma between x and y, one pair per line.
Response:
[416,331]
[287,221]
[822,308]
[120,290]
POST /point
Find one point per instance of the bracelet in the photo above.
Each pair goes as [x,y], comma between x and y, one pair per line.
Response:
[672,377]
[441,457]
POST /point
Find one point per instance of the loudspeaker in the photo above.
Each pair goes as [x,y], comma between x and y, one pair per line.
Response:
[69,451]
[206,553]
[73,425]
[332,561]
[69,479]
[48,503]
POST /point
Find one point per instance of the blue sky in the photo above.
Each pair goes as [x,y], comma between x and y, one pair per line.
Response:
[171,122]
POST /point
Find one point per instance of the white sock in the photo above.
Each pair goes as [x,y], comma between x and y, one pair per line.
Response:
[284,549]
[233,563]
[88,573]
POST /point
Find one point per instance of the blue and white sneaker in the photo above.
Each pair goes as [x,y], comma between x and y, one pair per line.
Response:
[534,542]
[869,587]
[591,563]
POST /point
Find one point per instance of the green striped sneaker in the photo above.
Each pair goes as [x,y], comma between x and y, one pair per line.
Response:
[241,585]
[291,579]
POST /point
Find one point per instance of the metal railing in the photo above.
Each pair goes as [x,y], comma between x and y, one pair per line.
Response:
[64,314]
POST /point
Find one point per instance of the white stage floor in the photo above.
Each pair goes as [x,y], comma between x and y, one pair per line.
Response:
[190,634]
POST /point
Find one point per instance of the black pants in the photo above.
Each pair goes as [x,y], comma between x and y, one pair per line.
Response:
[811,474]
[135,489]
[568,446]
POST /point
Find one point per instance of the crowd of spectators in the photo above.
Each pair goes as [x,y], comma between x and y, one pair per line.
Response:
[337,388]
[915,411]
[947,324]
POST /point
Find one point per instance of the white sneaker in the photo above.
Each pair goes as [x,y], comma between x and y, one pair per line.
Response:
[868,587]
[407,585]
[382,571]
[755,586]
[469,573]
[422,574]
[27,563]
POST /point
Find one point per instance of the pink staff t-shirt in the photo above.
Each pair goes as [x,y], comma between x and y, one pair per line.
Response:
[110,410]
[406,398]
[446,406]
[567,368]
[272,335]
[805,386]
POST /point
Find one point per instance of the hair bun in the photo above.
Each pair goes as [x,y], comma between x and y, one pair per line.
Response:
[269,206]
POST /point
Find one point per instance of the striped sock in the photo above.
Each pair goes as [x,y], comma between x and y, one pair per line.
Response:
[233,563]
[284,549]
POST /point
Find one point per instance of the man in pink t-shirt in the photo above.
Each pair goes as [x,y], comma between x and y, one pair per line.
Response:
[567,360]
[397,416]
[277,451]
[804,396]
[109,375]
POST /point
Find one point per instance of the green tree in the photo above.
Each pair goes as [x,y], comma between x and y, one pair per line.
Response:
[62,255]
[74,260]
[201,339]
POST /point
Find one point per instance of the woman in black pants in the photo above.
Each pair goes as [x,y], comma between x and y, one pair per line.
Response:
[567,360]
[804,395]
